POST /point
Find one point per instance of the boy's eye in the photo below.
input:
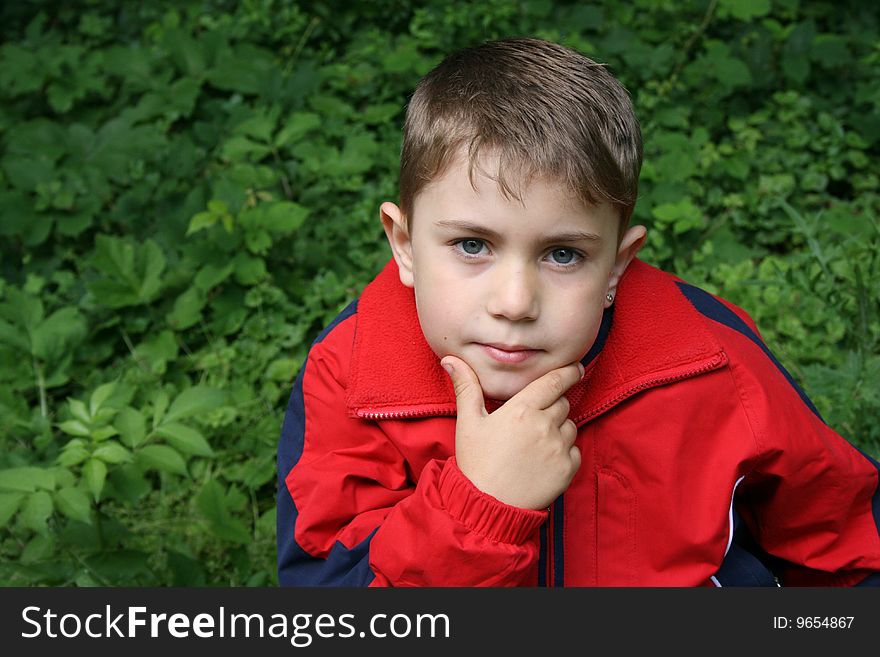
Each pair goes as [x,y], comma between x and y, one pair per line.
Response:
[563,256]
[472,247]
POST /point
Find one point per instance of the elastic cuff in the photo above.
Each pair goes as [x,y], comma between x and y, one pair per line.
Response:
[482,513]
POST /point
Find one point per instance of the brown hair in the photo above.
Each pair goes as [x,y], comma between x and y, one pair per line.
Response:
[544,109]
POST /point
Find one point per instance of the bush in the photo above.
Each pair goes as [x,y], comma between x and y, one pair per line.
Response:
[190,191]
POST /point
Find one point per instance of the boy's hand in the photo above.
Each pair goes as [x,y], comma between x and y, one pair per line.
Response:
[522,454]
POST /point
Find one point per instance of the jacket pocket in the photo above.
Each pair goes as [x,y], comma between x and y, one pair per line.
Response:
[615,530]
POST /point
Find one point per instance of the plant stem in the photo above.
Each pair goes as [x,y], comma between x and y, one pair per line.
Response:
[302,41]
[99,527]
[41,385]
[707,18]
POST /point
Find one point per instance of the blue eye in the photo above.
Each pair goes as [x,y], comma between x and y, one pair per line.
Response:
[563,256]
[472,247]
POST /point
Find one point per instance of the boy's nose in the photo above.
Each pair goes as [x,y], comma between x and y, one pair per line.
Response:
[514,294]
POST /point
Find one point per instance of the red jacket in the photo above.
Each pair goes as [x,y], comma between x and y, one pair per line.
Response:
[702,461]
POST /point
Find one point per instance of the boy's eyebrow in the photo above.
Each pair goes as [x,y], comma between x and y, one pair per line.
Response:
[557,238]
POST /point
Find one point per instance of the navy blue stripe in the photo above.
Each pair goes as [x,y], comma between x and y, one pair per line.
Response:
[296,567]
[745,564]
[558,535]
[742,568]
[542,557]
[715,310]
[601,337]
[870,580]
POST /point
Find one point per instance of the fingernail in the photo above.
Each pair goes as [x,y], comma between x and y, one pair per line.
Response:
[581,368]
[447,367]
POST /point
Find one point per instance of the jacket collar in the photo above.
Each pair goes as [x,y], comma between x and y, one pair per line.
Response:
[653,337]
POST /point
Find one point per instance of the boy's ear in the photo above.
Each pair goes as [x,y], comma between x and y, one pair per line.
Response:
[633,240]
[394,223]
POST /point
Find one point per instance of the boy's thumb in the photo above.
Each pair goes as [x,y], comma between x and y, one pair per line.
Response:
[468,393]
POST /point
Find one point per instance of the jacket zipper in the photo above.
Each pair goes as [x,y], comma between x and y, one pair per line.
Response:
[717,361]
[371,414]
[376,414]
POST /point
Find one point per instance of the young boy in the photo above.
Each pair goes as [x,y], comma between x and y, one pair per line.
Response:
[517,400]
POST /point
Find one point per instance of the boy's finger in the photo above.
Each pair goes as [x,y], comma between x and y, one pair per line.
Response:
[559,409]
[543,392]
[468,392]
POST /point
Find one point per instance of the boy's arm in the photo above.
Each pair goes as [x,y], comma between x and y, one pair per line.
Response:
[812,500]
[349,513]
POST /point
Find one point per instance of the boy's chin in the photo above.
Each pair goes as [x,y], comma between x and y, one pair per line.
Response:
[500,388]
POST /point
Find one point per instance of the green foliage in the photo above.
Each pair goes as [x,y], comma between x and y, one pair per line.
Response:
[189,190]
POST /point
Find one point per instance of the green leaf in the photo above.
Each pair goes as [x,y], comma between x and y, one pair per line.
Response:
[160,405]
[103,433]
[359,153]
[210,276]
[26,479]
[122,567]
[132,426]
[15,336]
[683,215]
[112,452]
[156,351]
[36,512]
[381,113]
[37,136]
[200,221]
[132,271]
[283,369]
[21,71]
[211,503]
[9,503]
[75,428]
[187,309]
[79,411]
[284,217]
[193,401]
[72,455]
[153,265]
[74,503]
[258,241]
[260,125]
[22,308]
[187,53]
[62,477]
[95,473]
[39,548]
[246,70]
[296,127]
[241,149]
[796,52]
[744,10]
[730,71]
[99,396]
[129,484]
[57,332]
[830,50]
[162,458]
[402,58]
[249,269]
[266,524]
[185,439]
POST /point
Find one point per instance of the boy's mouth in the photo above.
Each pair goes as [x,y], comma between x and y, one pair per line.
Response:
[510,354]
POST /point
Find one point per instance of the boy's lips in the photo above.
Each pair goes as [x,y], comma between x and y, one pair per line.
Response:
[510,354]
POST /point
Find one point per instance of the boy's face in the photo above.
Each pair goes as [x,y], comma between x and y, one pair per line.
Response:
[513,289]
